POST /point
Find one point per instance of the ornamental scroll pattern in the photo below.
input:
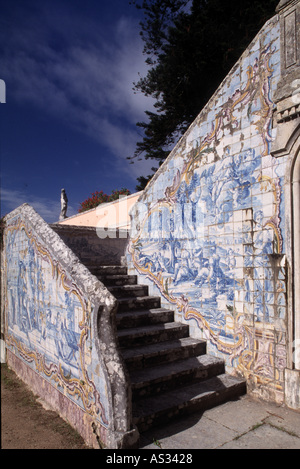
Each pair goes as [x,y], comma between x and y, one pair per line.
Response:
[49,319]
[207,230]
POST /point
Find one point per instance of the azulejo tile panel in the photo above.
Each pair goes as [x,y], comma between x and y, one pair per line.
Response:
[49,321]
[208,233]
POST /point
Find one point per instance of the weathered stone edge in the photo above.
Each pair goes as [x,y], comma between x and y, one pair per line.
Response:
[103,324]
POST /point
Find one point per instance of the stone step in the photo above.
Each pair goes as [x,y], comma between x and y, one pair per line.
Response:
[157,410]
[138,303]
[163,352]
[132,319]
[160,378]
[118,280]
[145,335]
[124,291]
[90,260]
[104,270]
[171,374]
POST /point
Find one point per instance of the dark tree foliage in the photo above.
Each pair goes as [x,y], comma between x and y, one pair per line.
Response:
[190,47]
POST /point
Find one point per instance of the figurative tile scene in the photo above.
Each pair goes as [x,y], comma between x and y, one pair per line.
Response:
[210,235]
[208,232]
[49,321]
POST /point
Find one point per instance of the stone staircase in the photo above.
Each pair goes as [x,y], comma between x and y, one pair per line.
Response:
[171,373]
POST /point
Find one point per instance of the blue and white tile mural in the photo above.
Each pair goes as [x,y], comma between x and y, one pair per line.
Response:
[49,321]
[208,231]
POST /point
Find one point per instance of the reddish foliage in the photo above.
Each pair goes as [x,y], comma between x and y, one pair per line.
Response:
[99,197]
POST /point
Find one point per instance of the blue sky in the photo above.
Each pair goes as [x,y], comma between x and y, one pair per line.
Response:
[70,115]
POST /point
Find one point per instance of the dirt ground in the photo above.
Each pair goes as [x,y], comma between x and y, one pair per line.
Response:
[26,424]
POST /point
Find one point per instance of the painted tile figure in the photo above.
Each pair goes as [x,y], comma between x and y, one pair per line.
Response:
[49,328]
[206,239]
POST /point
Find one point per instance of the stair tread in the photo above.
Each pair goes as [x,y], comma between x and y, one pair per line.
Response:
[142,330]
[166,370]
[107,269]
[133,318]
[137,298]
[181,397]
[127,287]
[161,357]
[118,276]
[127,290]
[142,312]
[130,302]
[160,347]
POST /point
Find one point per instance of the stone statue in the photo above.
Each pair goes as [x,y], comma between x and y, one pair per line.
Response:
[64,205]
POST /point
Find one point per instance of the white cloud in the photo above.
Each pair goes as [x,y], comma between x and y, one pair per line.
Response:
[87,83]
